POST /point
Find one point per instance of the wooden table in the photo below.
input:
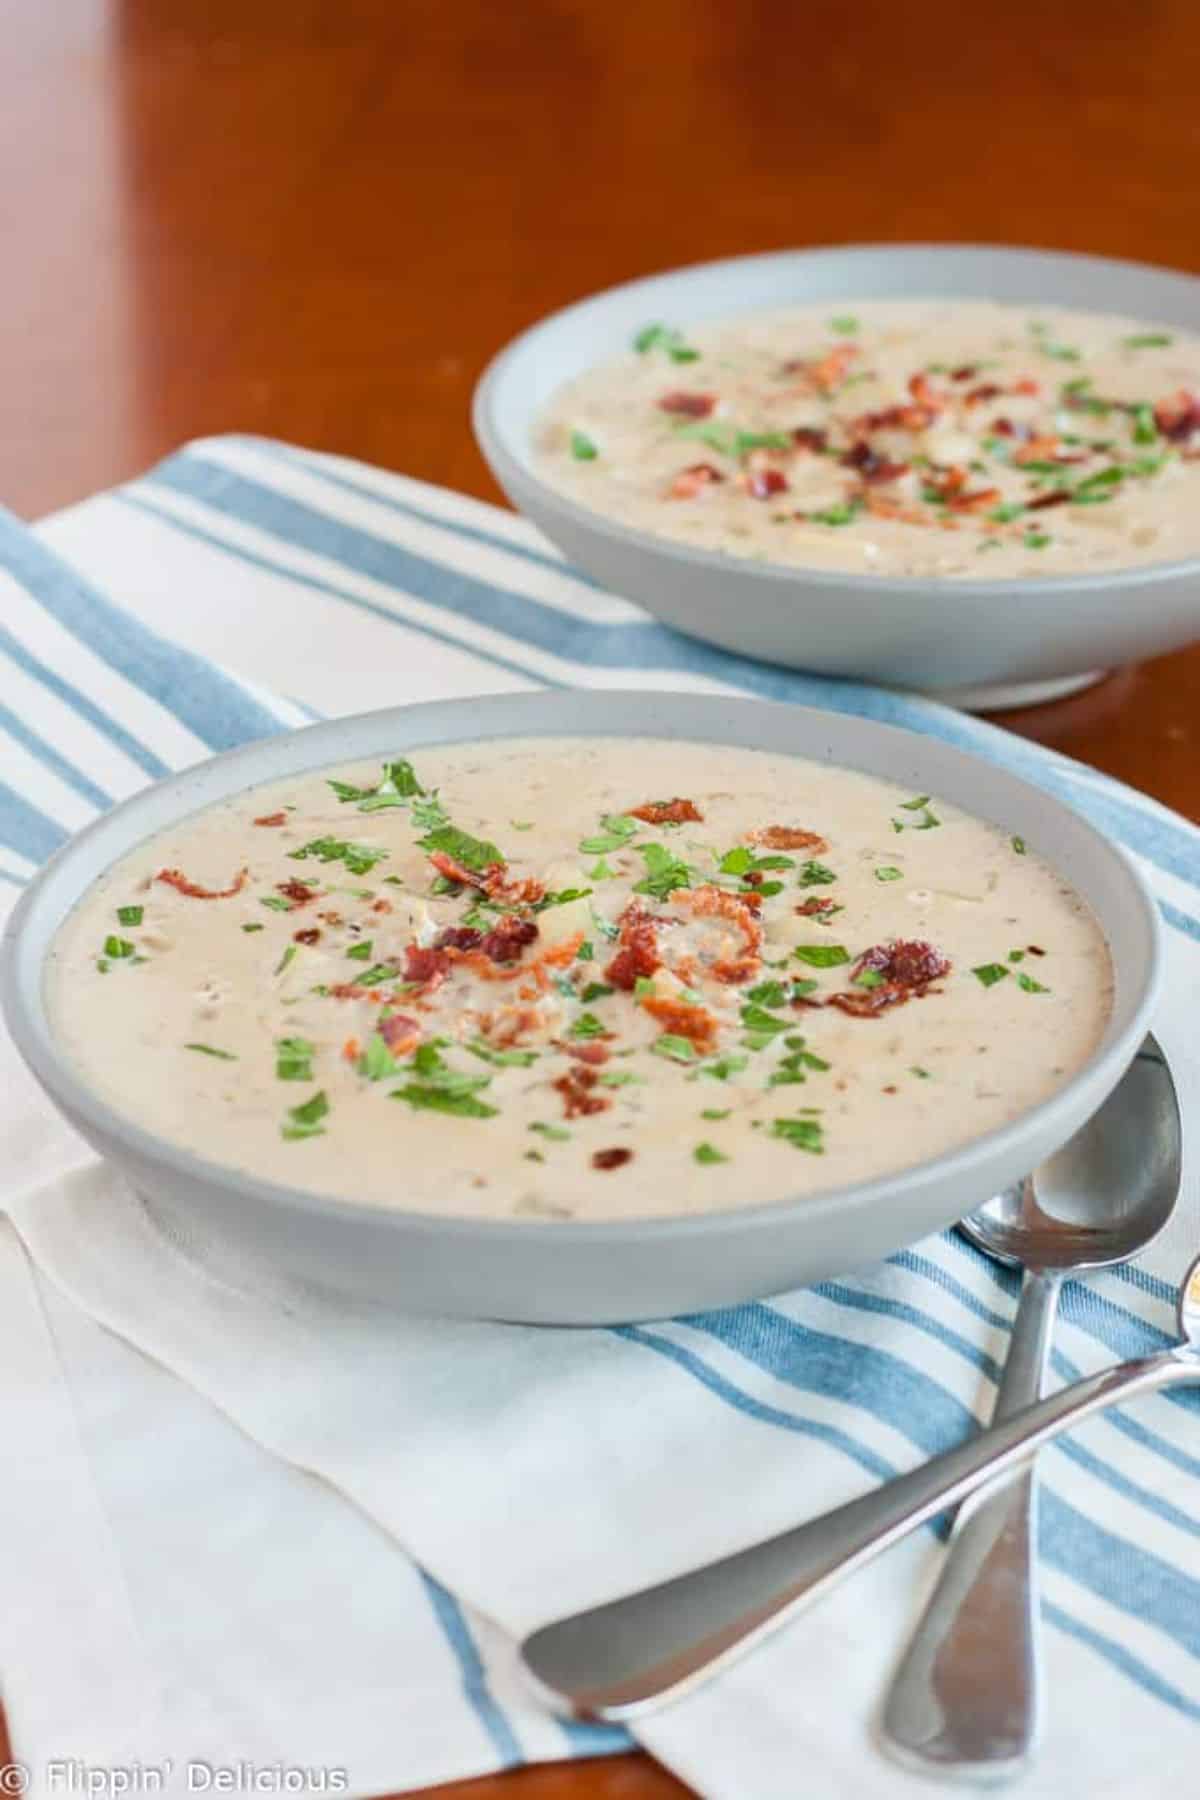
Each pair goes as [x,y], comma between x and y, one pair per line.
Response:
[318,218]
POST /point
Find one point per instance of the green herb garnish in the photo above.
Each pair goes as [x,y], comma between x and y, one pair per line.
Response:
[990,973]
[503,1059]
[130,915]
[1018,844]
[472,853]
[118,948]
[1036,540]
[587,1025]
[1145,427]
[1148,340]
[253,927]
[1029,986]
[889,873]
[815,874]
[306,1118]
[459,1102]
[289,956]
[928,821]
[802,1134]
[845,324]
[601,872]
[664,872]
[664,337]
[675,1048]
[715,1112]
[360,859]
[725,1066]
[211,1050]
[582,447]
[293,1059]
[821,956]
[596,990]
[361,952]
[708,1153]
[616,831]
[557,1134]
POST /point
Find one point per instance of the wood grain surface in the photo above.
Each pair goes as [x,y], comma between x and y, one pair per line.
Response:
[318,219]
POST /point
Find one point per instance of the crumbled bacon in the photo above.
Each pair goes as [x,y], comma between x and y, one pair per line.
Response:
[493,881]
[975,501]
[1179,416]
[827,372]
[693,480]
[987,390]
[611,1159]
[812,908]
[507,938]
[593,1051]
[312,935]
[1059,497]
[667,812]
[457,937]
[1043,449]
[399,1032]
[279,818]
[298,892]
[808,437]
[177,879]
[578,1100]
[352,990]
[895,418]
[452,870]
[762,483]
[1026,385]
[637,948]
[964,372]
[381,906]
[869,464]
[1003,428]
[509,1024]
[924,393]
[692,1022]
[428,966]
[738,910]
[907,967]
[788,837]
[689,406]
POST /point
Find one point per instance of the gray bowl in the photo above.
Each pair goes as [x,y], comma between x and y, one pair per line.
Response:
[974,643]
[588,1273]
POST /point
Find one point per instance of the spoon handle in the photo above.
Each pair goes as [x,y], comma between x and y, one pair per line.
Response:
[618,1660]
[966,1700]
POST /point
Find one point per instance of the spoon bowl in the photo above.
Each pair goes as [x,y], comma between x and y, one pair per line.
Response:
[1106,1194]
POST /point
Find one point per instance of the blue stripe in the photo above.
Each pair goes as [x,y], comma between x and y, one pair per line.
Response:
[863,1300]
[594,1740]
[78,702]
[1180,920]
[493,540]
[45,753]
[25,830]
[454,1626]
[1164,840]
[1103,1553]
[1121,1659]
[217,710]
[394,615]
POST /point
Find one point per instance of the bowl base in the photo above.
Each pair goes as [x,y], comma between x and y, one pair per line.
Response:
[997,696]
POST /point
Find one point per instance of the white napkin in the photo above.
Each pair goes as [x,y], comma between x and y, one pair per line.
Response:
[251,1558]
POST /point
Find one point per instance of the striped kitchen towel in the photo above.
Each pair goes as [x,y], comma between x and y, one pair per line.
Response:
[178,1588]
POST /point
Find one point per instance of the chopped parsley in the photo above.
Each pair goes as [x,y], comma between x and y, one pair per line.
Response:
[725,1066]
[815,874]
[428,814]
[843,512]
[1145,428]
[253,927]
[361,952]
[761,1026]
[378,972]
[928,821]
[801,1133]
[616,831]
[561,898]
[708,1153]
[130,915]
[889,873]
[305,1119]
[601,872]
[289,956]
[730,440]
[377,1062]
[583,448]
[503,1059]
[211,1050]
[715,1112]
[596,990]
[476,854]
[397,786]
[586,951]
[557,1134]
[119,948]
[459,1102]
[920,1073]
[822,956]
[845,324]
[587,1025]
[990,973]
[293,1059]
[360,859]
[868,978]
[618,1077]
[1006,513]
[1036,540]
[1018,844]
[675,1048]
[666,338]
[664,872]
[1148,340]
[1029,986]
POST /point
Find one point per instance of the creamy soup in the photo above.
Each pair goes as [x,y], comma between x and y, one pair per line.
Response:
[913,438]
[587,978]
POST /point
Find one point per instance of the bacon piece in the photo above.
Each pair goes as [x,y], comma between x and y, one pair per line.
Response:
[869,464]
[1003,428]
[692,1022]
[739,911]
[762,483]
[1178,416]
[667,812]
[452,870]
[907,966]
[611,1159]
[987,390]
[964,372]
[492,881]
[593,1051]
[177,879]
[399,1032]
[812,908]
[693,480]
[298,892]
[1026,385]
[310,936]
[457,937]
[637,948]
[428,966]
[895,418]
[1059,497]
[808,437]
[975,501]
[788,837]
[924,393]
[578,1100]
[1043,449]
[351,1050]
[351,990]
[827,372]
[689,406]
[883,508]
[509,1024]
[381,906]
[279,818]
[507,938]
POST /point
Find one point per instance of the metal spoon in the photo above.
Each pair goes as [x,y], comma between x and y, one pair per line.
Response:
[637,1653]
[966,1701]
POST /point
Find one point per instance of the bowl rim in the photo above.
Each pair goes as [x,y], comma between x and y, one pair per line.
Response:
[514,472]
[304,750]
